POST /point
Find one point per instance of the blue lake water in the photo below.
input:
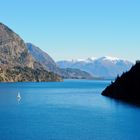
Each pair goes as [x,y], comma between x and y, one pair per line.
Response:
[69,110]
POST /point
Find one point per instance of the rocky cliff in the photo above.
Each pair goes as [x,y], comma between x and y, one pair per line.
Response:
[17,62]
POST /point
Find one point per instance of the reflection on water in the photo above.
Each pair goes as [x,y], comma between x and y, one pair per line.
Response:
[70,110]
[18,100]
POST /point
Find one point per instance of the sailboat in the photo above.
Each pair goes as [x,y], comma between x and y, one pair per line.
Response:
[18,96]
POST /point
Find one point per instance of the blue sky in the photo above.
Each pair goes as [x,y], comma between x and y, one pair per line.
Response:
[70,29]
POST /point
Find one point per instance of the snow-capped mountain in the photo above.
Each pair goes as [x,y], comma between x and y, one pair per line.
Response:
[107,67]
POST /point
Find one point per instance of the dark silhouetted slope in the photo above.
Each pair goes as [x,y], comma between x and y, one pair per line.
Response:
[126,87]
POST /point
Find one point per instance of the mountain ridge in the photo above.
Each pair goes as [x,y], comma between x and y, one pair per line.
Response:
[50,65]
[106,67]
[92,59]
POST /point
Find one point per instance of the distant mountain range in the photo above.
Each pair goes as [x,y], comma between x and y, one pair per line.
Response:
[105,67]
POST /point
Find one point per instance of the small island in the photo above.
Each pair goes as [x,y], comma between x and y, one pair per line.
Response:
[126,87]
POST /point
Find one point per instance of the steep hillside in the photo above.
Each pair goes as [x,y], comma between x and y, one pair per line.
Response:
[26,74]
[50,65]
[13,54]
[126,87]
[43,58]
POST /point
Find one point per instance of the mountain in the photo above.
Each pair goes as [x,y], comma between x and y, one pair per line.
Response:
[50,65]
[43,58]
[126,87]
[16,62]
[69,73]
[106,67]
[26,74]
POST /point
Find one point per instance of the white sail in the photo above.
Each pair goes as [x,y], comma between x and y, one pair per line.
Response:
[18,96]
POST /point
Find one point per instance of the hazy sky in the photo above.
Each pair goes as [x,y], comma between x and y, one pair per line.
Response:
[69,29]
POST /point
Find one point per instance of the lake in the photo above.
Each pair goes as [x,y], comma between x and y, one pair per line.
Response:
[69,110]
